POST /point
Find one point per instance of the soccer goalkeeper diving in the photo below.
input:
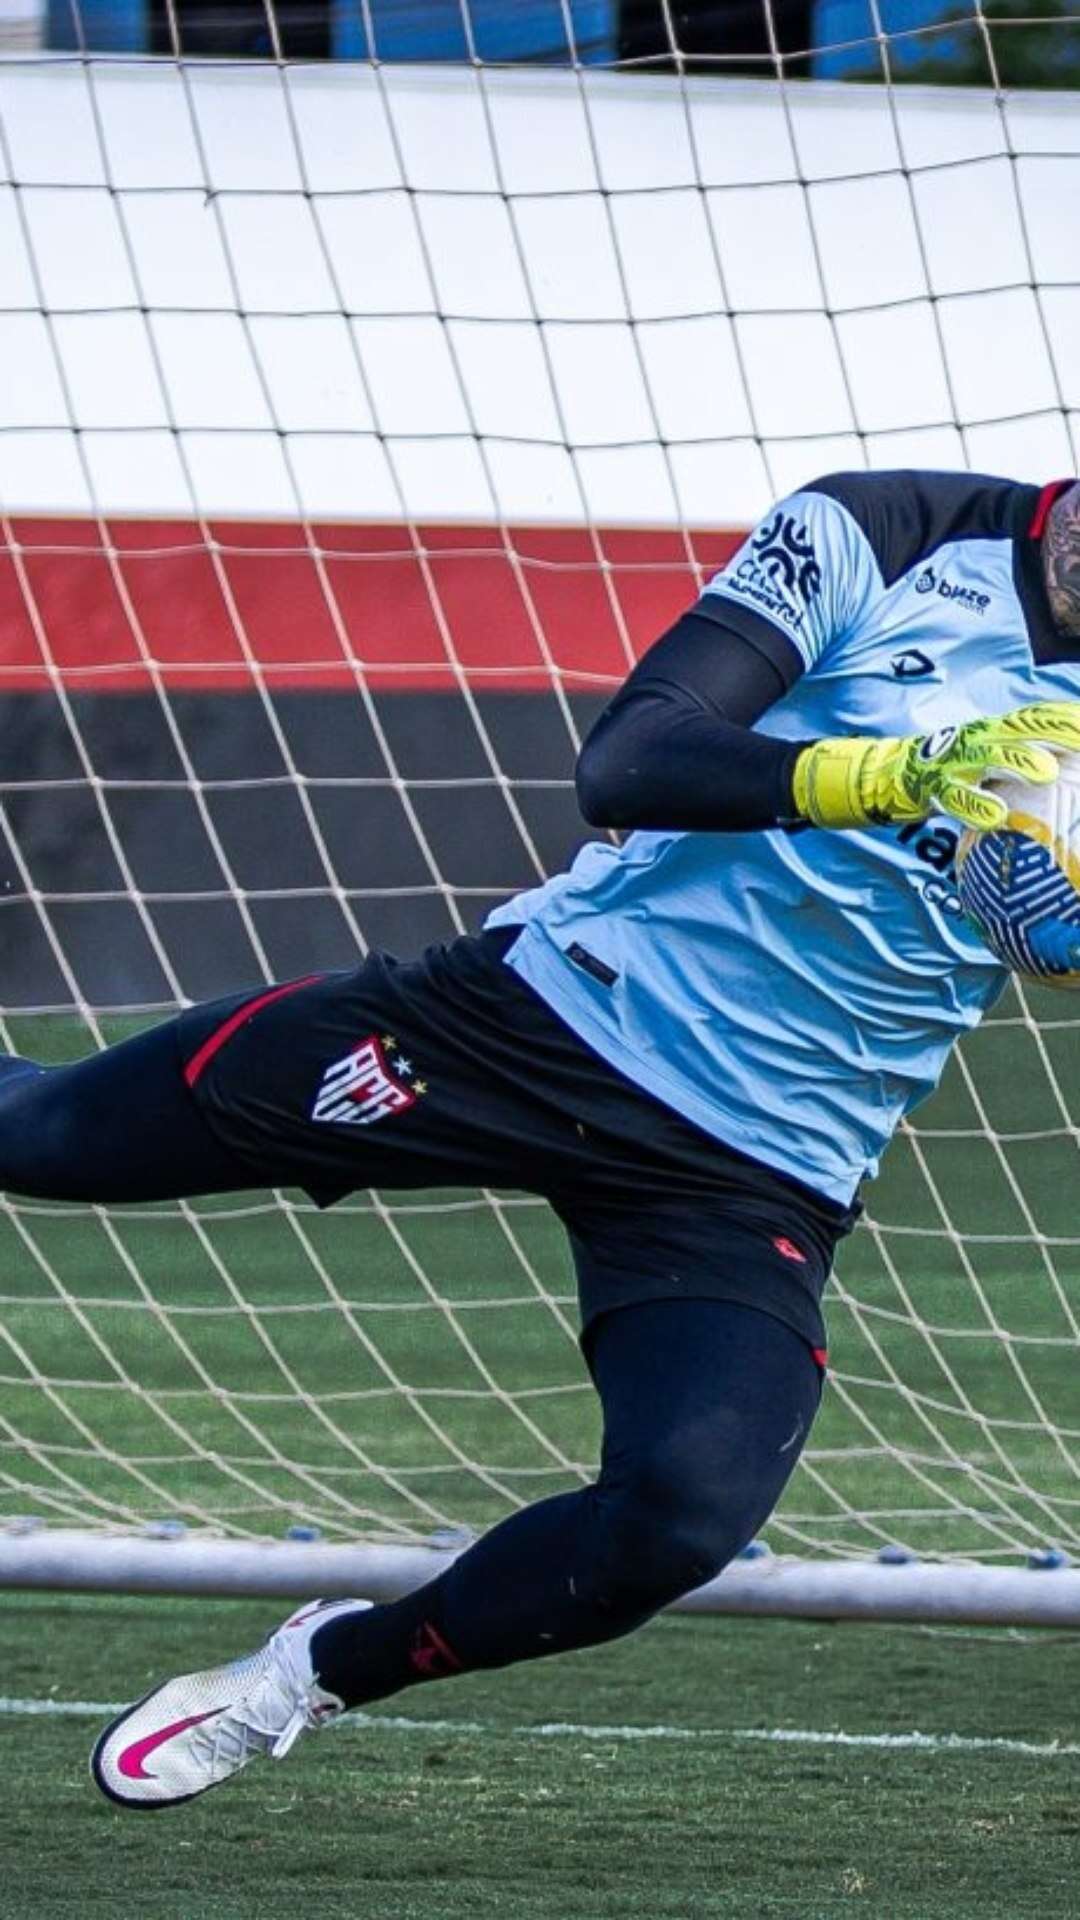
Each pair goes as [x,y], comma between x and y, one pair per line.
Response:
[695,1045]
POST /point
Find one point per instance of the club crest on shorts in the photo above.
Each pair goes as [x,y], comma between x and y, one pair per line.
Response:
[369,1083]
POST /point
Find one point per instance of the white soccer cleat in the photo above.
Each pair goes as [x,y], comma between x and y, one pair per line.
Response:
[198,1730]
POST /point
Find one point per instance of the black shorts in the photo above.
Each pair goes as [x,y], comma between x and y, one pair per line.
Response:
[450,1071]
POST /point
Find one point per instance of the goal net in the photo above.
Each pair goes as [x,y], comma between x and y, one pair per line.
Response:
[361,421]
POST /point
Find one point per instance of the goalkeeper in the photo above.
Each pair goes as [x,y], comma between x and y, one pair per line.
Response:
[695,1045]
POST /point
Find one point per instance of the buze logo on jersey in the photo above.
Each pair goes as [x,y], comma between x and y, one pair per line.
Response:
[931,582]
[780,571]
[365,1086]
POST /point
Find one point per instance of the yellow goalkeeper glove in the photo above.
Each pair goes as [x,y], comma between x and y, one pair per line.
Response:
[860,782]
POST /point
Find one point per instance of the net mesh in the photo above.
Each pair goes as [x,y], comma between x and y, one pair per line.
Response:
[361,423]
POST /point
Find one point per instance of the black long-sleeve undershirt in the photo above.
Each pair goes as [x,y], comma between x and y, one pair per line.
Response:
[675,748]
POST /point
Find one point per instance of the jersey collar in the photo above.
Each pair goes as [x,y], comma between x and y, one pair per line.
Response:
[1032,506]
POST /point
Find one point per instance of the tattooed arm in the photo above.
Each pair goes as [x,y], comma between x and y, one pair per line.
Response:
[1061,559]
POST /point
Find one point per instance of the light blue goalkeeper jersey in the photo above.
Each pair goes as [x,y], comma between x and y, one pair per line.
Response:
[794,994]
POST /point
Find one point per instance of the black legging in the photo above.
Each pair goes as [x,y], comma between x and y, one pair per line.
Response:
[119,1125]
[706,1406]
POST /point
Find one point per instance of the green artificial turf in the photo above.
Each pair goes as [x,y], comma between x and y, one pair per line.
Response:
[481,1816]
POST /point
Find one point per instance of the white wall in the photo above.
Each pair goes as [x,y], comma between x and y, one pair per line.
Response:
[426,278]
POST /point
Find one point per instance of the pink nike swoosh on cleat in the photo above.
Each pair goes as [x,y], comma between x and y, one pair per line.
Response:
[259,1706]
[130,1762]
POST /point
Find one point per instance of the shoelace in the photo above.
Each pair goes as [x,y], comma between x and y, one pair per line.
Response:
[236,1736]
[290,1732]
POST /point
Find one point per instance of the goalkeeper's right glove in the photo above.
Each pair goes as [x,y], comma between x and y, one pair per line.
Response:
[866,782]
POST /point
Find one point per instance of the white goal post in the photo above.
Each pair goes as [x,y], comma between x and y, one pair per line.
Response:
[360,423]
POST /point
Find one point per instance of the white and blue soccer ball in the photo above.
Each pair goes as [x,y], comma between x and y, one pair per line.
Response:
[1020,884]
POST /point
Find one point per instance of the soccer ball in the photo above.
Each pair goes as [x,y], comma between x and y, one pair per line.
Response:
[1020,883]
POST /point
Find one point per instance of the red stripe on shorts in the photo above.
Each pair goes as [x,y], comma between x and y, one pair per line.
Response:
[213,1044]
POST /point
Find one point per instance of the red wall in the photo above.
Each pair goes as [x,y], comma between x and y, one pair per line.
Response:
[62,598]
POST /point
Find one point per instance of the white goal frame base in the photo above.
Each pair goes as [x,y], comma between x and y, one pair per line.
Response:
[289,1570]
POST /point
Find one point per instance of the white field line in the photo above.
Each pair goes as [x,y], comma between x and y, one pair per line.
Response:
[570,1730]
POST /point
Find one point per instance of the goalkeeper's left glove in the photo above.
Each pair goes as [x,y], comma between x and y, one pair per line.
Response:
[861,782]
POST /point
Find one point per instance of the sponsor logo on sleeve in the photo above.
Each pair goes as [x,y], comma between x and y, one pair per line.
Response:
[781,574]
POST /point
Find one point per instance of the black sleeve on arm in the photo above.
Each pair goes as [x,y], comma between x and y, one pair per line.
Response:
[674,749]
